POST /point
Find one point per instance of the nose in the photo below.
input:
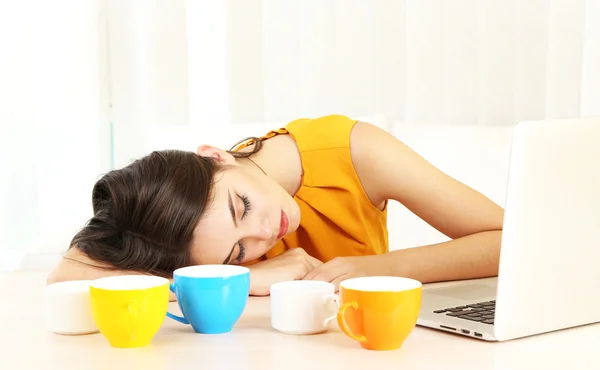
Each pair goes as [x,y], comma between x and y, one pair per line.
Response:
[262,230]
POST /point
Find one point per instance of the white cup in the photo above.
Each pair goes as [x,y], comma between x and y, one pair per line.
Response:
[303,307]
[67,308]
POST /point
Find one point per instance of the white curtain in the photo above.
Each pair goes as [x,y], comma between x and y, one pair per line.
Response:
[483,62]
[73,73]
[472,62]
[467,62]
[53,113]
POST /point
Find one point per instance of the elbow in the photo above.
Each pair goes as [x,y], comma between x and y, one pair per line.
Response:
[56,276]
[62,273]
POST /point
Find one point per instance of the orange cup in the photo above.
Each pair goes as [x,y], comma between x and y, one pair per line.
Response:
[379,311]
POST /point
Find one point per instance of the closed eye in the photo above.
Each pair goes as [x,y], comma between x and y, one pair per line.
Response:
[241,252]
[247,205]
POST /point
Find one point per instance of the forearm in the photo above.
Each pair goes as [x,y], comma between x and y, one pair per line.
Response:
[469,257]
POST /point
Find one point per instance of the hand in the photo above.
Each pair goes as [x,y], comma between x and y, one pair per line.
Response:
[292,264]
[342,268]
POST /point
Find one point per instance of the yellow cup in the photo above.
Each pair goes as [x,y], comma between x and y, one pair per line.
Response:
[379,311]
[129,309]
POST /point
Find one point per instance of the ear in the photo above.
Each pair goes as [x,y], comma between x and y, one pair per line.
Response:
[219,154]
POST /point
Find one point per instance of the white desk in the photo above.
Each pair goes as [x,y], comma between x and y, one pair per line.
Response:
[25,344]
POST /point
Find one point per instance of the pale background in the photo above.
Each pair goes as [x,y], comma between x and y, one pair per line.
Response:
[89,85]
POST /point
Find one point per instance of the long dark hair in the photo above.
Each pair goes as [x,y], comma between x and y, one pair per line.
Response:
[145,213]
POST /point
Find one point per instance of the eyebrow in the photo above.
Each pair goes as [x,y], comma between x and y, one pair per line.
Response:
[231,210]
[228,258]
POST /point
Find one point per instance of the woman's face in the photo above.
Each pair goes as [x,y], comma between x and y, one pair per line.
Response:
[248,214]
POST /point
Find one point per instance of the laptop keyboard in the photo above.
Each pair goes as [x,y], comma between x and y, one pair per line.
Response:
[481,312]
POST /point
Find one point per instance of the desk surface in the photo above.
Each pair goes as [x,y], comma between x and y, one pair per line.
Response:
[253,344]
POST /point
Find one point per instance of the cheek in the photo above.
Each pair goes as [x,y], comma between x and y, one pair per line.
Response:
[195,255]
[261,191]
[210,247]
[256,252]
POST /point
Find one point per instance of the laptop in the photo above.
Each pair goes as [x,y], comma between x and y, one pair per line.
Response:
[549,274]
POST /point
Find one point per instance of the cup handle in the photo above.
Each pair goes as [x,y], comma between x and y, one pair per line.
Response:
[328,300]
[341,319]
[181,319]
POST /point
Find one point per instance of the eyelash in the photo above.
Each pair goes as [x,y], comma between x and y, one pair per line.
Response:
[247,205]
[241,247]
[241,253]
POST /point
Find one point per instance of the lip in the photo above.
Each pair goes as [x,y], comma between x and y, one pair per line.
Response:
[283,225]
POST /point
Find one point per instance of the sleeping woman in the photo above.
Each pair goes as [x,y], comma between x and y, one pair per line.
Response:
[308,201]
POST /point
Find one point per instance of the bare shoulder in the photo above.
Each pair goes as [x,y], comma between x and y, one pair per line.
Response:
[369,147]
[389,169]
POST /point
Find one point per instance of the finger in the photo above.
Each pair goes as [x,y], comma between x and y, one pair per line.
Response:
[314,262]
[320,267]
[326,272]
[310,264]
[313,272]
[338,280]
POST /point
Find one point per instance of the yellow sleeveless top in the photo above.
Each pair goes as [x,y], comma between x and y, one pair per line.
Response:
[337,217]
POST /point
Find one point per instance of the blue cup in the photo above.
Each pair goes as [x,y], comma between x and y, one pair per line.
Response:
[211,297]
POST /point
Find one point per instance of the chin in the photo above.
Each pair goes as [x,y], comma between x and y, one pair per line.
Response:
[294,225]
[294,219]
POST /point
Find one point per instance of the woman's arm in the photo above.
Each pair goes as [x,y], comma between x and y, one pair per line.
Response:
[75,265]
[389,169]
